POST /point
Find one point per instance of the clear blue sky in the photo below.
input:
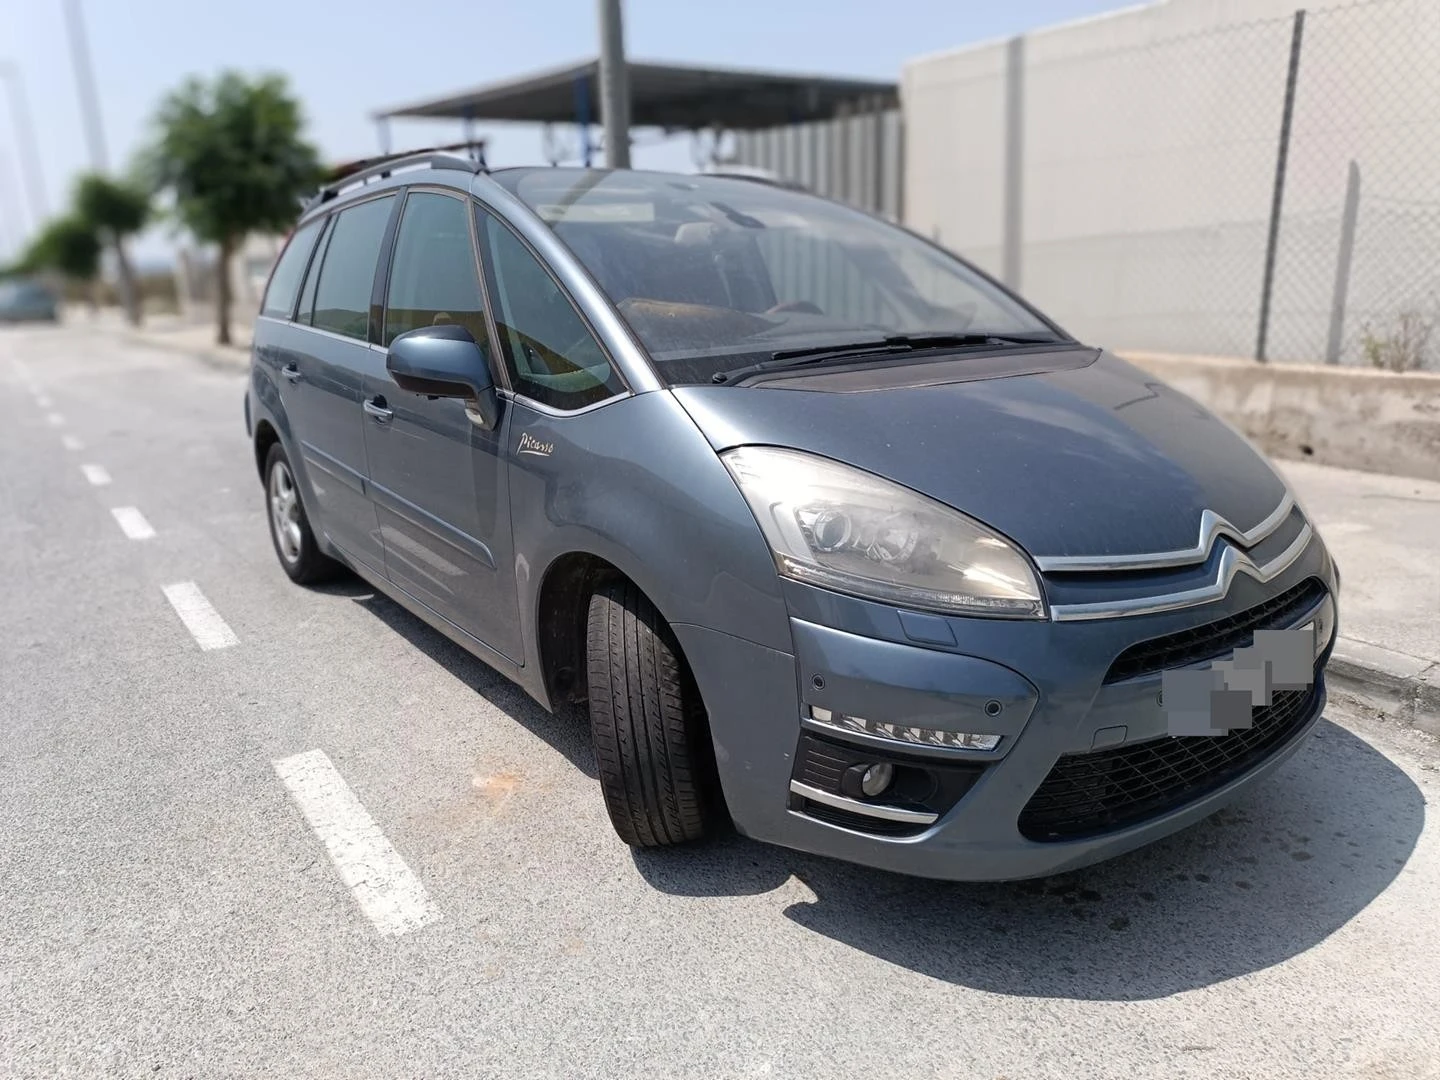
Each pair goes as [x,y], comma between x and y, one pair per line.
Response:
[346,60]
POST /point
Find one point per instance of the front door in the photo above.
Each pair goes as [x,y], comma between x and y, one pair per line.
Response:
[437,480]
[323,377]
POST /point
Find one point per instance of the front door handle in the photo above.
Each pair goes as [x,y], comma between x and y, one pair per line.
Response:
[377,408]
[291,372]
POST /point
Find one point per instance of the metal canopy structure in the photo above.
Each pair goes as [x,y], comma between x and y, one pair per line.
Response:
[674,97]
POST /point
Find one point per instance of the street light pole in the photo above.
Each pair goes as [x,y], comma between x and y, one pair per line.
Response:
[29,152]
[95,137]
[614,86]
[85,86]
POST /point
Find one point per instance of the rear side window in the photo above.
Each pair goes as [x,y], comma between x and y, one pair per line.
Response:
[552,355]
[285,278]
[347,275]
[305,313]
[433,277]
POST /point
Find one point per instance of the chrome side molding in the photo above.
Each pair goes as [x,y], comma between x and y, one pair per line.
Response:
[1212,525]
[1232,561]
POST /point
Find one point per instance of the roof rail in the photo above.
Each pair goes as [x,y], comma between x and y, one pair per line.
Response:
[358,173]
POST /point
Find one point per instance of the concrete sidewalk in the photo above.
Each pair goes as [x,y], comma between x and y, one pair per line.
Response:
[188,336]
[1383,530]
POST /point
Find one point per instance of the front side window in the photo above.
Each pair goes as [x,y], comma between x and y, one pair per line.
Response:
[347,274]
[713,273]
[284,284]
[433,278]
[552,355]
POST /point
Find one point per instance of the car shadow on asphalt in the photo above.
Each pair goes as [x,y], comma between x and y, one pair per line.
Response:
[565,731]
[1269,877]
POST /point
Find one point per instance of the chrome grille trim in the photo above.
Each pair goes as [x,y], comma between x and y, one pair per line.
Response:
[1232,561]
[1212,526]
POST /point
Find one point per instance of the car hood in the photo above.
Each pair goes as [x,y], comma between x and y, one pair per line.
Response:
[1065,458]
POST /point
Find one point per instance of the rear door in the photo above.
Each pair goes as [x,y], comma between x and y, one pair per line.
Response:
[330,354]
[275,336]
[437,479]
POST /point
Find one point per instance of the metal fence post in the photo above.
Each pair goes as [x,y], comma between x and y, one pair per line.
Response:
[877,156]
[1014,161]
[900,166]
[1342,265]
[582,116]
[840,154]
[812,138]
[1277,198]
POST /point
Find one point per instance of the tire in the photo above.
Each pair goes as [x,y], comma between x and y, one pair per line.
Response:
[290,533]
[652,747]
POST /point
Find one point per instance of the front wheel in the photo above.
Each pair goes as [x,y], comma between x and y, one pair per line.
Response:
[652,749]
[300,556]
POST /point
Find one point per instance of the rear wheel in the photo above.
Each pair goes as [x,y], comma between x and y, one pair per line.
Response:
[652,749]
[300,556]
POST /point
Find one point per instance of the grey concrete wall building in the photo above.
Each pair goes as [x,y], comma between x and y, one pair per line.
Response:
[1131,159]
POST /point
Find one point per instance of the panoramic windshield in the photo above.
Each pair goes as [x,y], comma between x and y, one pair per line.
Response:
[714,273]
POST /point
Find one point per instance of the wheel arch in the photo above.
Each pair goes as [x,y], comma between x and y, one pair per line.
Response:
[265,437]
[562,606]
[561,613]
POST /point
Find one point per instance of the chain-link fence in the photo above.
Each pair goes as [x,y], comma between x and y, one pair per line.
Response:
[1147,175]
[1357,258]
[1268,187]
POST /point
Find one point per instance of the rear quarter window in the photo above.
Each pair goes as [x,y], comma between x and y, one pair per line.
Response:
[284,284]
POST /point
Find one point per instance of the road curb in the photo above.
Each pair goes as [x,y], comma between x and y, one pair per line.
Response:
[1405,687]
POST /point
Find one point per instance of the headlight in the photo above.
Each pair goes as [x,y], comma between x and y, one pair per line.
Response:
[838,527]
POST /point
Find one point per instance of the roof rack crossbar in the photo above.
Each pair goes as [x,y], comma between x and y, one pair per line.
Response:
[381,168]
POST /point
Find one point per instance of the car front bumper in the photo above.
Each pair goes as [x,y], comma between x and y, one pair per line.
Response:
[1039,685]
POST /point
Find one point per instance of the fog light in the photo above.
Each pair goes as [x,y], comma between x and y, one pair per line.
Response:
[900,733]
[877,778]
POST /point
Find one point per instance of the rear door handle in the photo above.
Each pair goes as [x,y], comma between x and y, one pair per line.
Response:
[376,407]
[291,372]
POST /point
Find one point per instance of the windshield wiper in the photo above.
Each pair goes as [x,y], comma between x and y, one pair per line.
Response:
[891,344]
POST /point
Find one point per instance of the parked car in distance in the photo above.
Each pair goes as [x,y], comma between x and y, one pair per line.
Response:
[833,536]
[27,300]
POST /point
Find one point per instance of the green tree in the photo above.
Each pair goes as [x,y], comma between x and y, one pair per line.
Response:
[116,211]
[67,246]
[232,156]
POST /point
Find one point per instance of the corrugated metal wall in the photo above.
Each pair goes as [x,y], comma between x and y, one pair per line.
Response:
[800,271]
[855,159]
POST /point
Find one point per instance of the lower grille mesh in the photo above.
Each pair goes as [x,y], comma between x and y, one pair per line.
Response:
[1098,792]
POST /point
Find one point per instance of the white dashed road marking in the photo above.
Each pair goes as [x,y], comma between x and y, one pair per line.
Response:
[96,474]
[389,894]
[70,442]
[54,419]
[133,523]
[43,401]
[206,626]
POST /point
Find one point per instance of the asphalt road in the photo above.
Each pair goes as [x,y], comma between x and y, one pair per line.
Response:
[167,907]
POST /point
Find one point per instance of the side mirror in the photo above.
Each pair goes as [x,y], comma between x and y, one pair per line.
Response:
[445,361]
